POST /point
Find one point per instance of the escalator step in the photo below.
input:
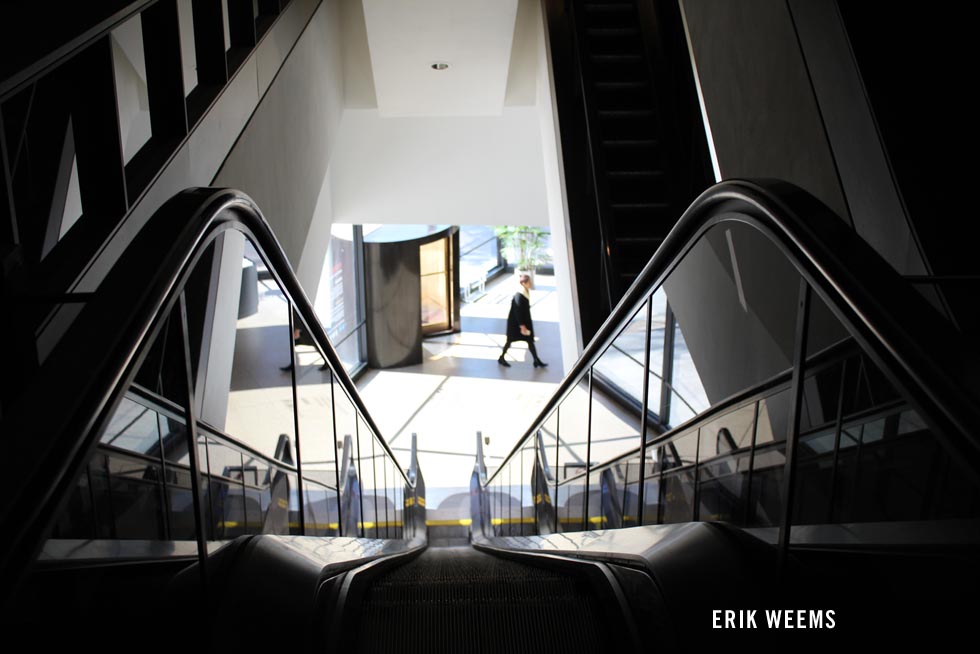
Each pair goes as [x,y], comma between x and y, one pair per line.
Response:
[461,600]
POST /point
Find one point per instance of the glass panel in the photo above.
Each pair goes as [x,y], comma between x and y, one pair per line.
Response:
[724,465]
[865,387]
[137,486]
[573,415]
[687,395]
[365,472]
[258,495]
[617,391]
[241,346]
[550,445]
[677,484]
[572,509]
[523,489]
[260,401]
[652,470]
[396,499]
[315,412]
[226,494]
[346,419]
[180,502]
[292,502]
[821,392]
[892,468]
[734,298]
[768,466]
[595,515]
[321,509]
[728,433]
[658,326]
[814,478]
[336,300]
[378,505]
[824,330]
[628,476]
[373,506]
[133,506]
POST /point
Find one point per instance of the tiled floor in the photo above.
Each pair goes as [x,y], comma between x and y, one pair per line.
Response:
[460,389]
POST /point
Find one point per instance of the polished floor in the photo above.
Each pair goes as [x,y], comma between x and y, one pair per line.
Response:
[459,389]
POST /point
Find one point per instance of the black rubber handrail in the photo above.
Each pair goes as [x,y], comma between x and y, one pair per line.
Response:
[54,425]
[915,347]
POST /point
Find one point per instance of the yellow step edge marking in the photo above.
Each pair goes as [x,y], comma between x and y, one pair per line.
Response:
[462,522]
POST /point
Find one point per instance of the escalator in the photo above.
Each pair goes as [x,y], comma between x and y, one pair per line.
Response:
[829,461]
[631,133]
[460,599]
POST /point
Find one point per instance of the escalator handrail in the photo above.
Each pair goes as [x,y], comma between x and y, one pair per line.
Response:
[906,337]
[87,372]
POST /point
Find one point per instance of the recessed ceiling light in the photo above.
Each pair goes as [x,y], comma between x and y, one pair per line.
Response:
[440,65]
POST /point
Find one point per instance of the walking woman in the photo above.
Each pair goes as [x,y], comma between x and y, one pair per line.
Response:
[519,325]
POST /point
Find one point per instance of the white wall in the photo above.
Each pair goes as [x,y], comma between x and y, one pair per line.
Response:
[281,157]
[570,326]
[433,170]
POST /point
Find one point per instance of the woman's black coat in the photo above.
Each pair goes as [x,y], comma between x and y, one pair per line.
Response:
[520,314]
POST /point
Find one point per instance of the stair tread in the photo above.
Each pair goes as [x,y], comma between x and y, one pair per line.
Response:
[617,57]
[635,173]
[626,143]
[625,112]
[611,31]
[608,6]
[639,205]
[638,84]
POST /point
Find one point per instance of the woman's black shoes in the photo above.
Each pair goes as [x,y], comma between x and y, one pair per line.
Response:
[540,364]
[502,361]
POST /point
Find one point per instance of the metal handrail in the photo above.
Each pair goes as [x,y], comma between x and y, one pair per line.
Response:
[922,355]
[87,373]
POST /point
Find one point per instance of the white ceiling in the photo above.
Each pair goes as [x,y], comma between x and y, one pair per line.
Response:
[473,36]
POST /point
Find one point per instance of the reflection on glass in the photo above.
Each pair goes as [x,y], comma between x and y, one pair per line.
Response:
[677,482]
[138,483]
[244,383]
[658,326]
[617,391]
[627,474]
[652,470]
[821,390]
[365,472]
[768,466]
[728,433]
[734,296]
[823,328]
[573,430]
[572,498]
[435,286]
[226,493]
[814,478]
[527,489]
[687,397]
[336,302]
[865,387]
[320,509]
[724,459]
[595,515]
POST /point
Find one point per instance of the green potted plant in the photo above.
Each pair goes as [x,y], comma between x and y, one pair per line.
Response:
[526,245]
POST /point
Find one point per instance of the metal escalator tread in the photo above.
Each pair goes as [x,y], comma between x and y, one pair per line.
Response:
[462,600]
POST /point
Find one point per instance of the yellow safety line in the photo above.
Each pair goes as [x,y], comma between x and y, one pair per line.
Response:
[461,522]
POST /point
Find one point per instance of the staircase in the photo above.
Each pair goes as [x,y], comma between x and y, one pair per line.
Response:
[633,190]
